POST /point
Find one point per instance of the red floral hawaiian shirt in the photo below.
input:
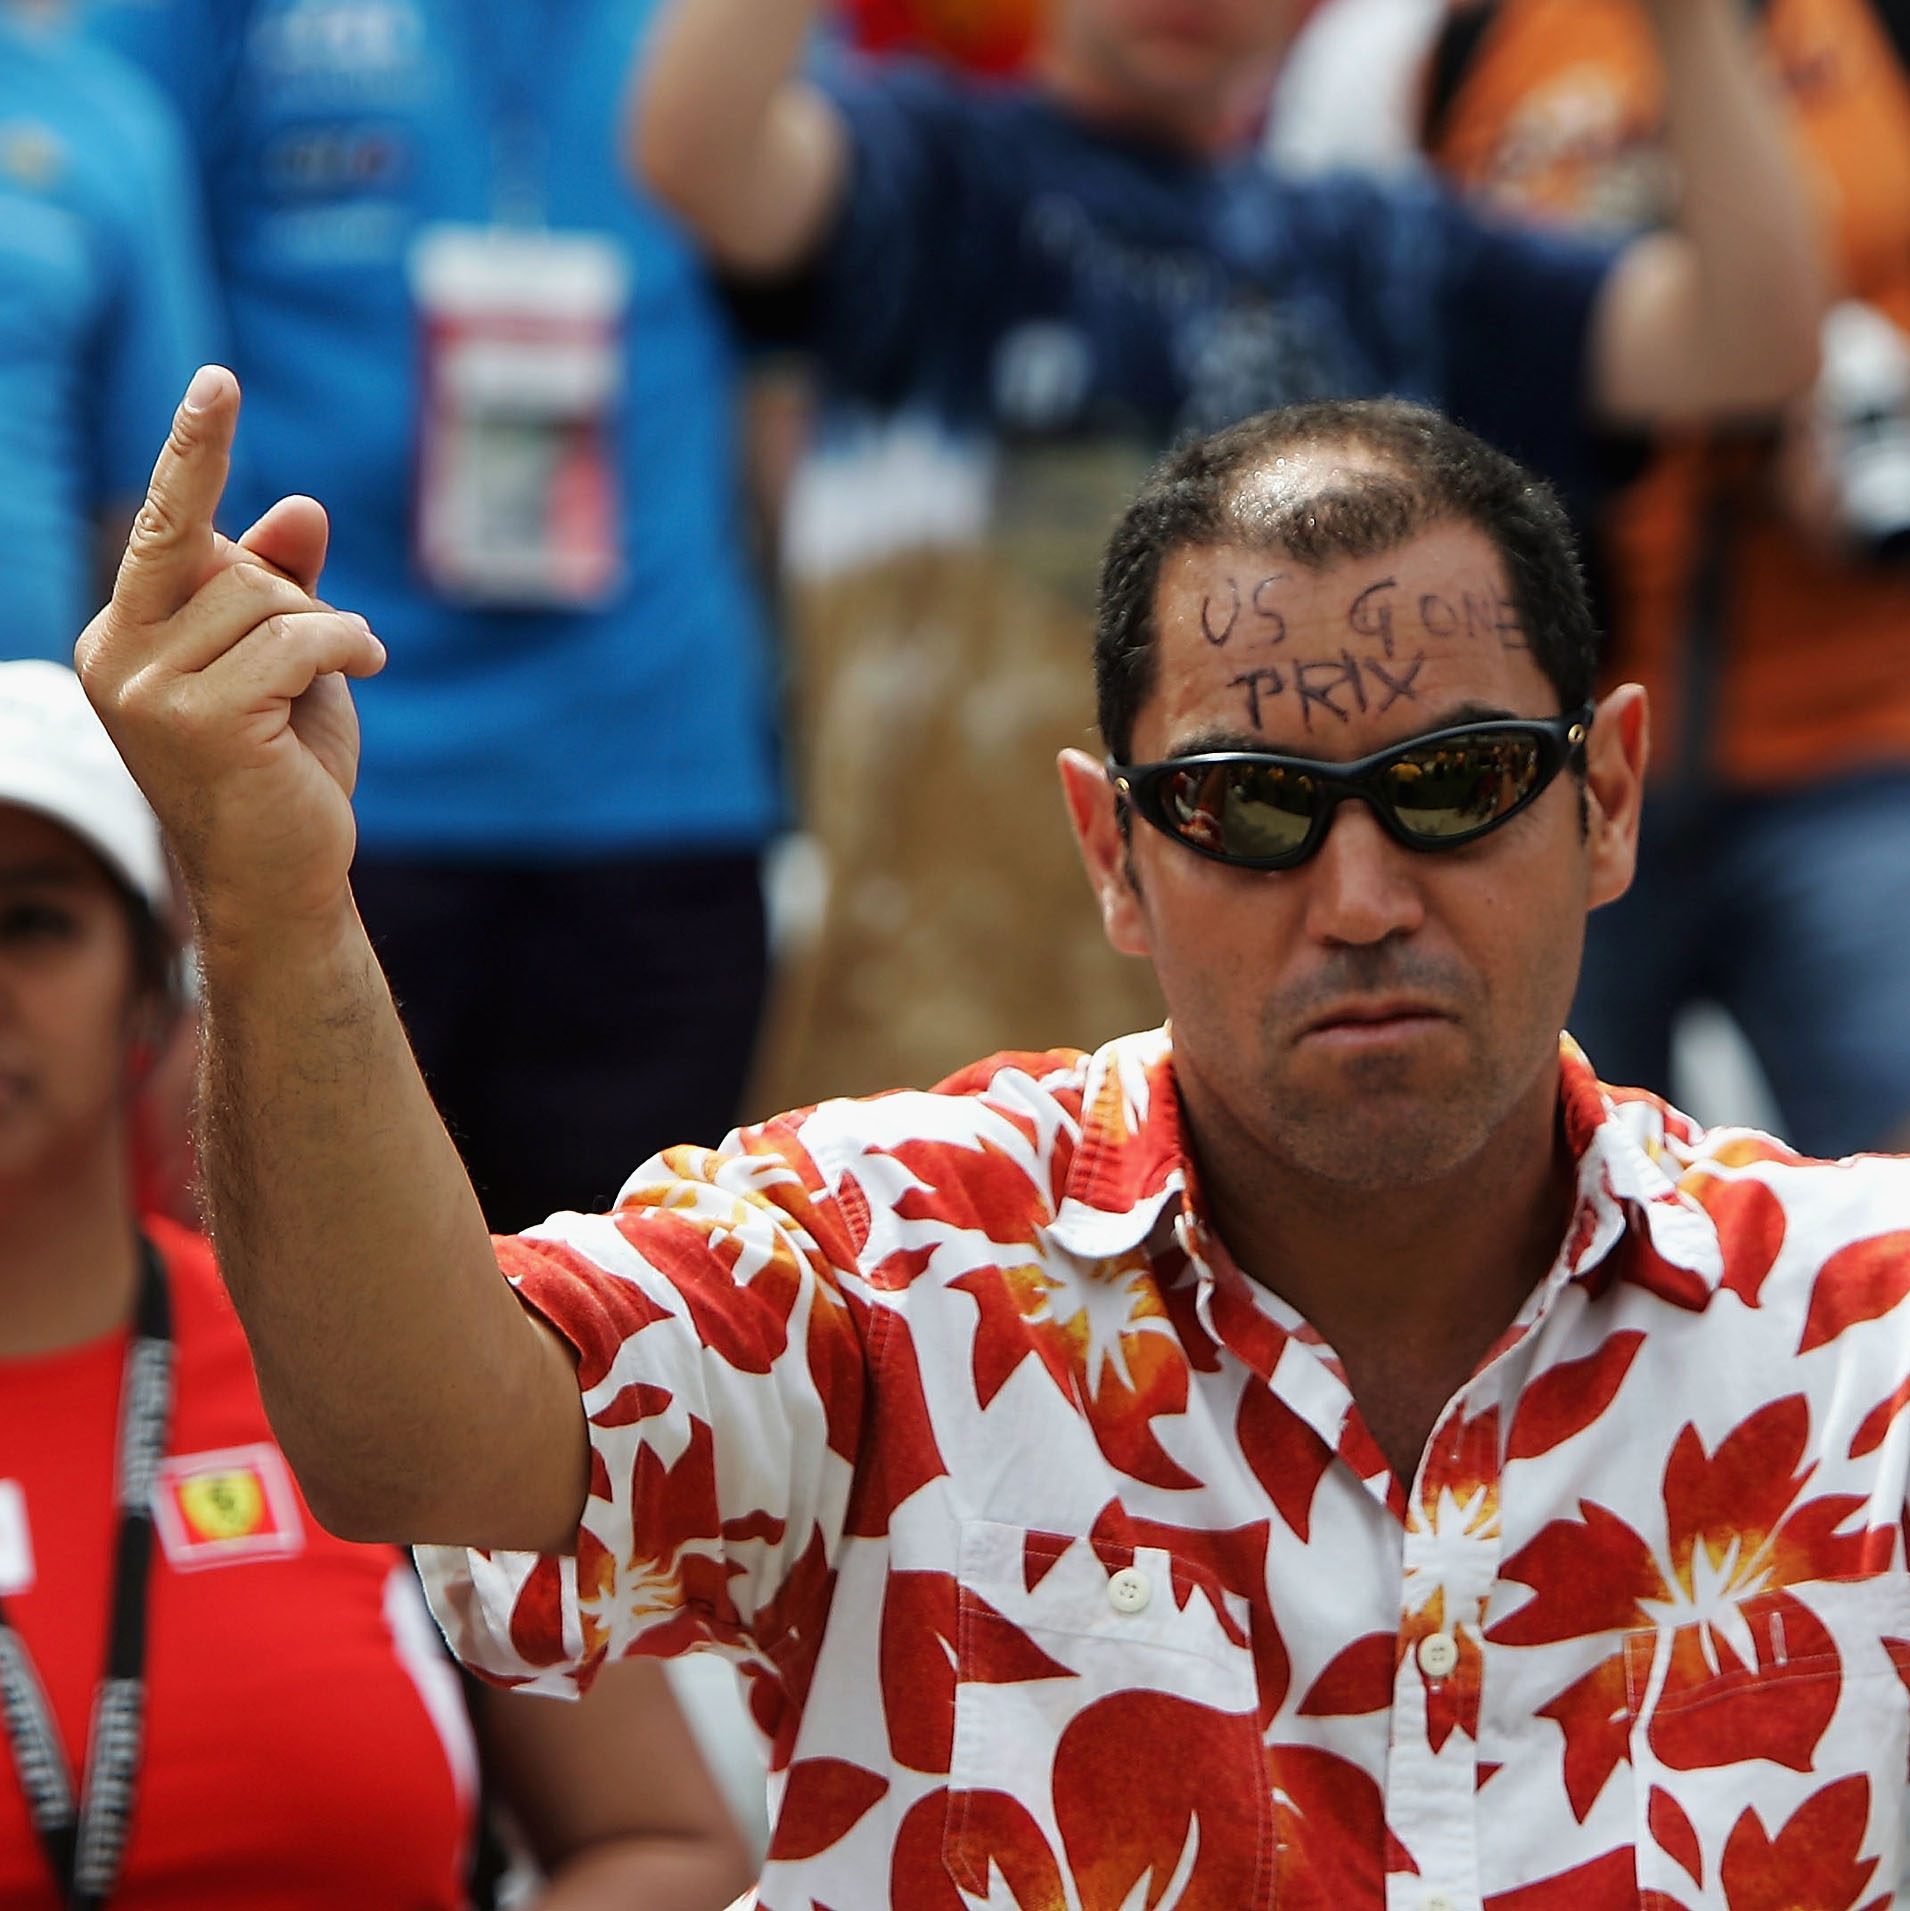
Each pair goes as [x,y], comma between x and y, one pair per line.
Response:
[1062,1571]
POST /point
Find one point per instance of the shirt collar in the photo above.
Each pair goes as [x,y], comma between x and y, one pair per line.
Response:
[1132,1158]
[1132,1163]
[1633,1150]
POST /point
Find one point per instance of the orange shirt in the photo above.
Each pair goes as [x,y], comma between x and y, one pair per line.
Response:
[1561,115]
[306,1744]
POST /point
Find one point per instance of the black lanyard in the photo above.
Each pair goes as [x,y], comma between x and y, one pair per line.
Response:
[84,1837]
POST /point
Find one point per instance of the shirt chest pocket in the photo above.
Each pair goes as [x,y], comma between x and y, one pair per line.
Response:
[1770,1747]
[1106,1728]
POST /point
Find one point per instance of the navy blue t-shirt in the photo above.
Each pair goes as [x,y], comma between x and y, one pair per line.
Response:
[1012,270]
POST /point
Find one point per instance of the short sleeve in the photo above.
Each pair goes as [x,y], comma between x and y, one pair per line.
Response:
[1516,308]
[720,1361]
[161,319]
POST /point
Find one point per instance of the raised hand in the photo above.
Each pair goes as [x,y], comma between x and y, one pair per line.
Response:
[221,677]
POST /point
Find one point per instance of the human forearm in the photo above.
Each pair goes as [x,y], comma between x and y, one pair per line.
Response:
[685,1874]
[1743,203]
[387,1345]
[414,1397]
[726,132]
[613,1795]
[1721,315]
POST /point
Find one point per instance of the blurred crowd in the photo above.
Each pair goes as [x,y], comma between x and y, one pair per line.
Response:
[720,406]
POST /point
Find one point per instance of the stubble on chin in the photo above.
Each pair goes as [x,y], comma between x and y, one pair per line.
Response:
[1383,1121]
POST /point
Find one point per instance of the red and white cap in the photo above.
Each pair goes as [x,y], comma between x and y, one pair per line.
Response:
[56,759]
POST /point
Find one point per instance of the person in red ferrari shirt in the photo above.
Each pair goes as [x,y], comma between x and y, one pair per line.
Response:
[205,1698]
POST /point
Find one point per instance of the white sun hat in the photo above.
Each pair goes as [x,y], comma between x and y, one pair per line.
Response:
[56,759]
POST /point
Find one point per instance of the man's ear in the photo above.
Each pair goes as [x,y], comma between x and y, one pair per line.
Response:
[1616,753]
[1094,809]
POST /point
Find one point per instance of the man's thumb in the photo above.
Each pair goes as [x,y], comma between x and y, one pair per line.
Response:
[291,537]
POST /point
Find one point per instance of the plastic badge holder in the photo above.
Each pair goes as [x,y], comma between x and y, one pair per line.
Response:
[517,490]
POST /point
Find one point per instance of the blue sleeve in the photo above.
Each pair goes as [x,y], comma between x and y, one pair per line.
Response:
[1516,309]
[161,318]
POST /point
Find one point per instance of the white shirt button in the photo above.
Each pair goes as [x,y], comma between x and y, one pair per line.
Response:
[1128,1590]
[1437,1900]
[1438,1654]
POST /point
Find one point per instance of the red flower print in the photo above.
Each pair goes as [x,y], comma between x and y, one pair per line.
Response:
[787,1627]
[677,1590]
[901,1448]
[1568,1398]
[1160,1803]
[1105,1341]
[1674,1832]
[1334,1851]
[1004,1859]
[617,1308]
[1863,1281]
[934,1631]
[916,1656]
[985,1189]
[1607,1883]
[1452,1702]
[1874,1429]
[1813,1861]
[1750,1223]
[738,1289]
[1357,1680]
[824,1800]
[1737,1533]
[1288,1458]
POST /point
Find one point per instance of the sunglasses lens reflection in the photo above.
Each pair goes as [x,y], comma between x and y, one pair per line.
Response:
[1252,810]
[1457,788]
[1261,812]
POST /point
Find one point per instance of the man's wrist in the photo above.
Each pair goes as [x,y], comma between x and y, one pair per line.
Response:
[236,942]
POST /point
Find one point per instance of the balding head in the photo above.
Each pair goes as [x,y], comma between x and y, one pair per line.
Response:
[1322,484]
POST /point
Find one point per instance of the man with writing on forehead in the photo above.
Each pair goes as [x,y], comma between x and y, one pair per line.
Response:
[1329,1451]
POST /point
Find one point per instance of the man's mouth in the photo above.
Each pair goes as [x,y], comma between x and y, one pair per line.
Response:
[1370,1020]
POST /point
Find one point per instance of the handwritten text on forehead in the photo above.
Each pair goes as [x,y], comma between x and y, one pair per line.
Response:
[1388,628]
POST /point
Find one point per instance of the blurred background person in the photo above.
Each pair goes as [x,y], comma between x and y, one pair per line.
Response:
[1757,579]
[105,305]
[245,1710]
[1350,90]
[507,378]
[1015,295]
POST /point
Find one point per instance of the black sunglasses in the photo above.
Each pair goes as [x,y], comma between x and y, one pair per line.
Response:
[1259,811]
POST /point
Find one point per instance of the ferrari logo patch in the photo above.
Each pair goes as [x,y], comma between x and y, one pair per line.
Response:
[212,1509]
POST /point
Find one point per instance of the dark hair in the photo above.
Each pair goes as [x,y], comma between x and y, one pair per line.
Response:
[1425,471]
[154,943]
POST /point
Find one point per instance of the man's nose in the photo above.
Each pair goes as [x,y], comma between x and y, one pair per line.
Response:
[1362,886]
